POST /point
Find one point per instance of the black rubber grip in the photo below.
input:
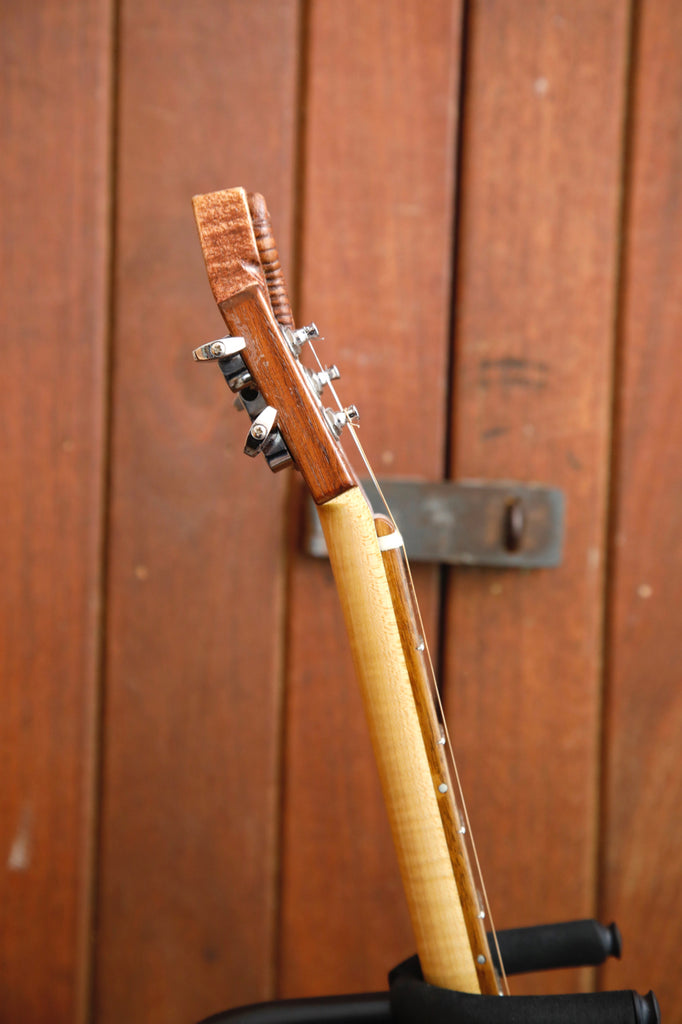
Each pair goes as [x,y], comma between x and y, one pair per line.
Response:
[373,1008]
[413,1001]
[412,1005]
[548,946]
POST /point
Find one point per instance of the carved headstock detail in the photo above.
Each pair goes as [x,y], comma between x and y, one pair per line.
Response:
[260,357]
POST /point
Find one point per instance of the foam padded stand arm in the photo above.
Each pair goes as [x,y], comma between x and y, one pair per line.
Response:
[566,944]
[413,1001]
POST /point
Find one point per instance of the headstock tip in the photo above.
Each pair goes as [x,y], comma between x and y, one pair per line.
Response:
[228,243]
[204,202]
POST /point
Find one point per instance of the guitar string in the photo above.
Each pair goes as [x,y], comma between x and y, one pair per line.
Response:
[436,692]
[434,688]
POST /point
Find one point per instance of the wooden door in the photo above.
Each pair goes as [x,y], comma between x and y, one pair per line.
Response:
[477,202]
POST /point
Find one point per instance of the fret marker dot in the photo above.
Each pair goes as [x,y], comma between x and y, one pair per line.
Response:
[442,788]
[480,958]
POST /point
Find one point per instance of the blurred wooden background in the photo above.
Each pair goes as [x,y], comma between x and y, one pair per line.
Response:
[188,809]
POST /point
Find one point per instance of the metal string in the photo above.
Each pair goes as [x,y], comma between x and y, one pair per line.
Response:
[449,750]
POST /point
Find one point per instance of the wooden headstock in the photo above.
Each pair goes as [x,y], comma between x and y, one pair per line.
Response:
[260,359]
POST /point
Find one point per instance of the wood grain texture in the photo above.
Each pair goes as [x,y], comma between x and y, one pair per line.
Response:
[189,837]
[228,243]
[238,283]
[281,380]
[535,306]
[395,729]
[381,102]
[435,744]
[54,170]
[643,782]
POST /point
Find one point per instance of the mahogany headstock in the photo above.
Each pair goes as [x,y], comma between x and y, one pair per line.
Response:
[260,357]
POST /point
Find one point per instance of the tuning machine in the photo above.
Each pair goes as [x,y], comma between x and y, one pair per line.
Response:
[297,339]
[337,419]
[221,348]
[262,437]
[226,351]
[321,378]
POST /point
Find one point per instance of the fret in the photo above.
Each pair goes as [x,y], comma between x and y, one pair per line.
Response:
[432,730]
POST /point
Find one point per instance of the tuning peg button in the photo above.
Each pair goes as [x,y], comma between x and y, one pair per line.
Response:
[219,349]
[263,437]
[261,429]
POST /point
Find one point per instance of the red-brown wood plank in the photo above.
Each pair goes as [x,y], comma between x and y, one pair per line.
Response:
[380,146]
[54,169]
[643,840]
[186,916]
[536,286]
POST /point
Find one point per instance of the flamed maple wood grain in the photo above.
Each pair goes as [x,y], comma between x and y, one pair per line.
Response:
[238,282]
[189,840]
[228,243]
[431,728]
[54,156]
[534,310]
[436,910]
[378,165]
[643,772]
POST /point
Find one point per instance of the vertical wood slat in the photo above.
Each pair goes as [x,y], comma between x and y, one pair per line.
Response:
[379,162]
[189,858]
[643,834]
[54,169]
[56,67]
[538,244]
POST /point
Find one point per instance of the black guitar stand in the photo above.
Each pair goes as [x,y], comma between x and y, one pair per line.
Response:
[410,1000]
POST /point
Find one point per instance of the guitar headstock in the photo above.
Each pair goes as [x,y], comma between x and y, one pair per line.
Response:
[260,357]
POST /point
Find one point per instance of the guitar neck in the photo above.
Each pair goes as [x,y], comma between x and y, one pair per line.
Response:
[292,425]
[435,739]
[442,902]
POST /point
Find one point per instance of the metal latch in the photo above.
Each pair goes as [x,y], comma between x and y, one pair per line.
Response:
[501,523]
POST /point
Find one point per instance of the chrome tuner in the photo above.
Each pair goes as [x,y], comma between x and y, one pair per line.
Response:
[222,348]
[297,339]
[324,377]
[261,429]
[338,420]
[262,437]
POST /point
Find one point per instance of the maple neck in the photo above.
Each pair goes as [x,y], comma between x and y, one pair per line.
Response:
[442,900]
